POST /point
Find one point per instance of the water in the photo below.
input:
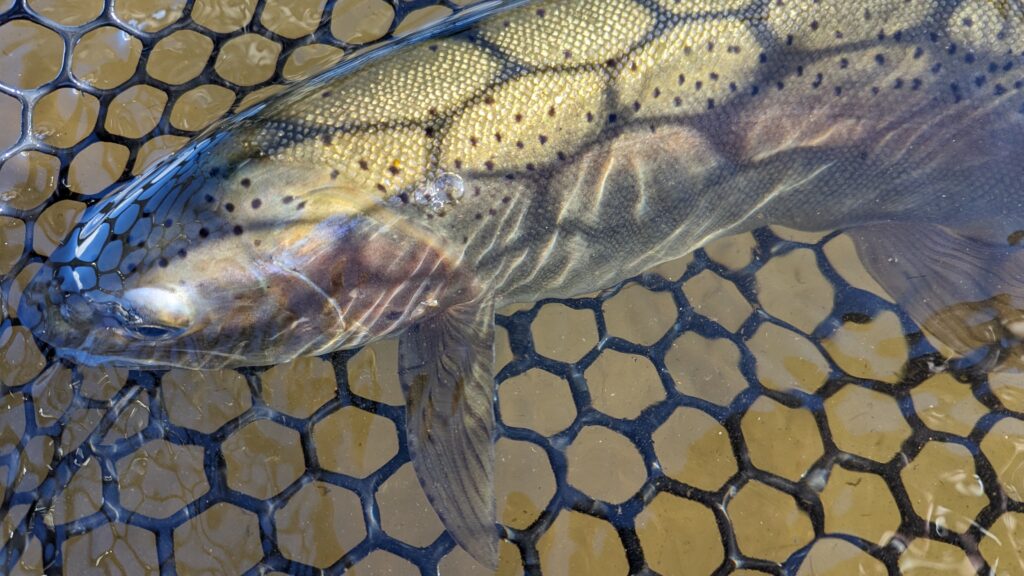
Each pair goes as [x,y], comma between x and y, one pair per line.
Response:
[759,407]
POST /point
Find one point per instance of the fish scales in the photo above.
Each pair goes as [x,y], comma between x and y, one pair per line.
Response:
[550,149]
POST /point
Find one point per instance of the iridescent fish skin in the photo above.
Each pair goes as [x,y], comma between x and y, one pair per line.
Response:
[549,150]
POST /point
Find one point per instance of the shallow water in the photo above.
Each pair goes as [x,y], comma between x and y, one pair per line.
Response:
[759,407]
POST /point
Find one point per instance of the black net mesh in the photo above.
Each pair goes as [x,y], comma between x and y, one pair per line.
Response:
[52,431]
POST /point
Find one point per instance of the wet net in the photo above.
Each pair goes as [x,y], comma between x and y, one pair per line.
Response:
[684,422]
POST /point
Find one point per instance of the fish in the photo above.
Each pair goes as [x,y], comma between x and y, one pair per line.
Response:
[547,149]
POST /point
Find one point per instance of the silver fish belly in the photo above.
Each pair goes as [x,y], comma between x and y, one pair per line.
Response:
[552,149]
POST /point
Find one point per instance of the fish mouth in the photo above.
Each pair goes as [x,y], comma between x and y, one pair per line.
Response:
[93,327]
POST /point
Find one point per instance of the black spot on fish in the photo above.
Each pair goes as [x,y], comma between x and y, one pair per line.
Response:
[488,99]
[327,139]
[287,199]
[590,116]
[936,68]
[755,90]
[492,211]
[458,164]
[530,167]
[698,85]
[478,216]
[779,85]
[394,170]
[542,139]
[918,52]
[300,205]
[711,103]
[162,262]
[818,79]
[432,47]
[497,136]
[838,90]
[335,174]
[612,118]
[874,90]
[636,106]
[789,40]
[898,83]
[1018,84]
[993,67]
[844,63]
[951,49]
[898,36]
[567,54]
[915,83]
[506,200]
[656,92]
[762,58]
[814,25]
[677,101]
[733,87]
[229,207]
[473,141]
[540,12]
[1015,238]
[610,63]
[203,232]
[237,230]
[799,71]
[404,198]
[999,90]
[489,165]
[168,223]
[363,165]
[325,94]
[428,132]
[967,22]
[955,89]
[245,182]
[561,156]
[257,242]
[681,79]
[182,253]
[256,203]
[209,198]
[881,34]
[979,81]
[969,58]
[520,144]
[510,176]
[879,59]
[518,118]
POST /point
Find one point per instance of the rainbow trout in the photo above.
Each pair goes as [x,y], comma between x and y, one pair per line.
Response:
[550,149]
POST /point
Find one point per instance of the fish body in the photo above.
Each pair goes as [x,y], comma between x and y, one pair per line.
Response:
[550,149]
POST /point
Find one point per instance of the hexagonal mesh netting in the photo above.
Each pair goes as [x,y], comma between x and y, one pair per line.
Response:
[759,407]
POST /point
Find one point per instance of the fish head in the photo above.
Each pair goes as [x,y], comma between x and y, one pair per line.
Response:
[220,259]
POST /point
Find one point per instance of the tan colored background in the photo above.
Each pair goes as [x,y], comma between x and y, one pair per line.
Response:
[758,408]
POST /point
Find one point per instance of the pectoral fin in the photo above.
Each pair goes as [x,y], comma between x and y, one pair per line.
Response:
[968,293]
[445,366]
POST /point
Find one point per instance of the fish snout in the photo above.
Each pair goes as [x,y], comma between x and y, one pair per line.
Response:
[68,313]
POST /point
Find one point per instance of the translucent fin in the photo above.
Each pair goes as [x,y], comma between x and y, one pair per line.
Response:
[968,293]
[445,366]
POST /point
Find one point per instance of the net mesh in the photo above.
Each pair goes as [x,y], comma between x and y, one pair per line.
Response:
[265,470]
